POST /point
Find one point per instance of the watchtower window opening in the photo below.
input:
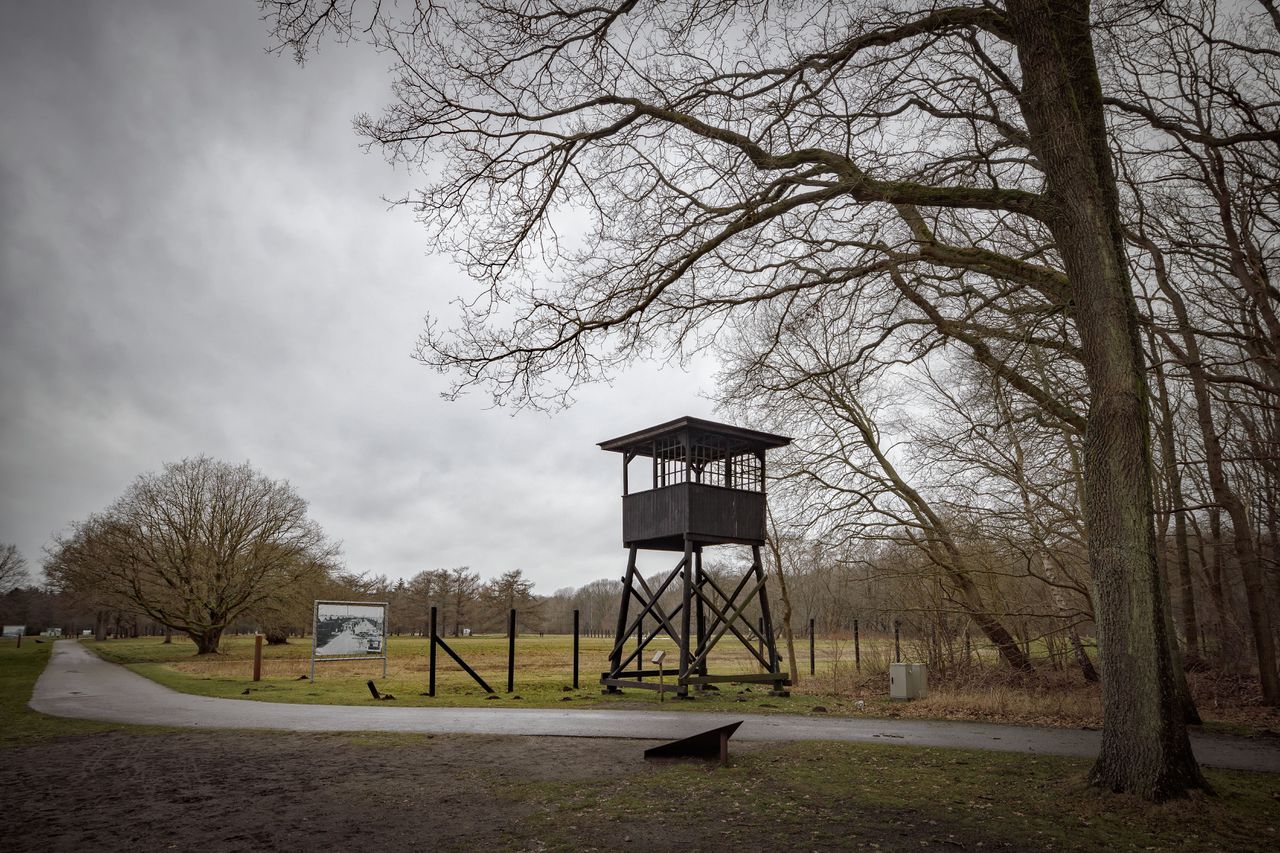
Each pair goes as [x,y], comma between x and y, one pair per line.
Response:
[670,463]
[708,460]
[714,463]
[691,451]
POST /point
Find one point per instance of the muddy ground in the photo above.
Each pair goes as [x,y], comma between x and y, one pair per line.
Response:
[251,791]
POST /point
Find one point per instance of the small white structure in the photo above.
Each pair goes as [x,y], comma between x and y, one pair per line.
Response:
[908,681]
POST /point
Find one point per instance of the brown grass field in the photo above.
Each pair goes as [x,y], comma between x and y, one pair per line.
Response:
[543,678]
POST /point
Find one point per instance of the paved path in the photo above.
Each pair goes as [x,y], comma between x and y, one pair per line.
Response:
[77,683]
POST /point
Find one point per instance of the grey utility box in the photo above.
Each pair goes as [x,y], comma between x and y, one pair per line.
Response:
[908,681]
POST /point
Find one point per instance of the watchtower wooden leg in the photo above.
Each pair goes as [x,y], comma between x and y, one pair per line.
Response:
[779,686]
[615,659]
[685,612]
[700,616]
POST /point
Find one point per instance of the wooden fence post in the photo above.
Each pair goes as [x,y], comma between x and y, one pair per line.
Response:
[257,657]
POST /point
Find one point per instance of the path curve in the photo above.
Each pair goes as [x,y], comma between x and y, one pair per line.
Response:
[78,683]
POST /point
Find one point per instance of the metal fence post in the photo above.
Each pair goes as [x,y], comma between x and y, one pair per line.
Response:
[431,657]
[511,650]
[857,651]
[575,650]
[812,667]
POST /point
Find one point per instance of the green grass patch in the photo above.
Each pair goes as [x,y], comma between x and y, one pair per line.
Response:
[846,796]
[19,669]
[543,677]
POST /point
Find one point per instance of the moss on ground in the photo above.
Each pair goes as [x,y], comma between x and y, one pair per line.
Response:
[824,796]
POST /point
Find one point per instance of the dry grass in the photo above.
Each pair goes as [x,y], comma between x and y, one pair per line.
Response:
[980,691]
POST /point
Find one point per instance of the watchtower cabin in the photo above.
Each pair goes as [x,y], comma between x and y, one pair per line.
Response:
[706,486]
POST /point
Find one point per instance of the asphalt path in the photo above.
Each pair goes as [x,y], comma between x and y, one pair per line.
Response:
[77,683]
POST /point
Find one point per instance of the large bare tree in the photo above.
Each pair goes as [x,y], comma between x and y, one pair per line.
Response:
[841,480]
[193,547]
[721,154]
[1198,128]
[13,567]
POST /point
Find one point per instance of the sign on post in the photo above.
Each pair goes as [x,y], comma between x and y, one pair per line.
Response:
[349,630]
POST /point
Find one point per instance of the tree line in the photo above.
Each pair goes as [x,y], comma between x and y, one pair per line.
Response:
[205,546]
[463,601]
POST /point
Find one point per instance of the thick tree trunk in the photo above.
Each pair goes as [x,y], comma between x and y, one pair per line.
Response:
[1145,748]
[207,640]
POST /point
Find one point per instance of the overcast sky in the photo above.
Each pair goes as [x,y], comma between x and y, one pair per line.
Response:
[195,258]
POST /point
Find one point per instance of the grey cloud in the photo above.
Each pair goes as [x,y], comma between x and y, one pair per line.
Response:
[195,258]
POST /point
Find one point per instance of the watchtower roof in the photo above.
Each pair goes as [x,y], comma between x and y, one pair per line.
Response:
[734,439]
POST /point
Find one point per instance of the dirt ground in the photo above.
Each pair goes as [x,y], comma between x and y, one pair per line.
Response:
[248,791]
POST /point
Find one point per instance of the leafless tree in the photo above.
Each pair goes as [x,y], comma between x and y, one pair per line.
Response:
[726,154]
[461,594]
[839,465]
[598,603]
[13,568]
[425,590]
[1197,131]
[510,590]
[193,547]
[288,611]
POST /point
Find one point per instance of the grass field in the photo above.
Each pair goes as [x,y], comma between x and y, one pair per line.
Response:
[19,669]
[794,796]
[543,673]
[543,678]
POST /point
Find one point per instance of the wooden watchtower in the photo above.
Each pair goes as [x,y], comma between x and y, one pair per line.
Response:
[707,487]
